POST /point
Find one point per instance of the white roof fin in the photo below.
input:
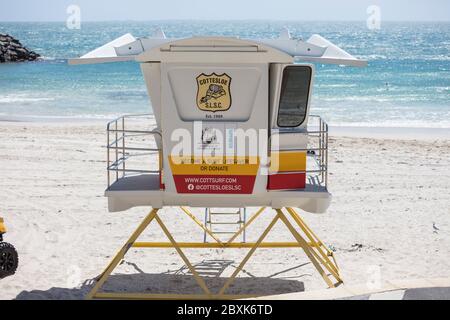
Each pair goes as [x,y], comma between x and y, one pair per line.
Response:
[285,34]
[333,54]
[315,49]
[159,33]
[107,52]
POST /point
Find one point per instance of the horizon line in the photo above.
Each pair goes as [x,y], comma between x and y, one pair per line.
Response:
[216,20]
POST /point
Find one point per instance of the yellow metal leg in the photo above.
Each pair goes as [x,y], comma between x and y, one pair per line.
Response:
[241,229]
[317,244]
[247,257]
[199,280]
[311,254]
[311,235]
[312,246]
[213,245]
[156,296]
[198,222]
[119,256]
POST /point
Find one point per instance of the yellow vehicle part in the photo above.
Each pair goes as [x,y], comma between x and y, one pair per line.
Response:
[2,226]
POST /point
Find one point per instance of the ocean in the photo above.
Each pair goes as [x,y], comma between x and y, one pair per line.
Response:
[407,82]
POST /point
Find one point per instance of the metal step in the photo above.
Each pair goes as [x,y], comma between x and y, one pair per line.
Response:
[224,232]
[224,213]
[237,218]
[237,222]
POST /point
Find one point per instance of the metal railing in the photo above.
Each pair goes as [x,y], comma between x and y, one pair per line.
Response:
[317,149]
[125,146]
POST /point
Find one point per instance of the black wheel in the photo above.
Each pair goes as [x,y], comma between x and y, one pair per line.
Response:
[8,260]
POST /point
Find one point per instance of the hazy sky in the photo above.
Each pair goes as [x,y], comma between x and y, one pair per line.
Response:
[94,10]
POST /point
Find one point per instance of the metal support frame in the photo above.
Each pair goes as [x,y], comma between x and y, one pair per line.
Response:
[321,257]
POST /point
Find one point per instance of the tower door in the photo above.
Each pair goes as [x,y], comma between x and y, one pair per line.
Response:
[290,98]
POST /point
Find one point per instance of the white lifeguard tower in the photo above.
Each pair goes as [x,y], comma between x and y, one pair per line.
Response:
[231,128]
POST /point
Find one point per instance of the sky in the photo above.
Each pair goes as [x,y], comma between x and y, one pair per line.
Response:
[322,10]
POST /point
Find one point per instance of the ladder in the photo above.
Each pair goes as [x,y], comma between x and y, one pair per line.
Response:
[225,223]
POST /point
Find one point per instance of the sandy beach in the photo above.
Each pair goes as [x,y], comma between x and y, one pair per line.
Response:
[389,219]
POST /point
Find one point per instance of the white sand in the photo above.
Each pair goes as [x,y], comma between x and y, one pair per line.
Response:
[387,196]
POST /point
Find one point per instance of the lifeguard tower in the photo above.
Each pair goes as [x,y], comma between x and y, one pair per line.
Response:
[232,130]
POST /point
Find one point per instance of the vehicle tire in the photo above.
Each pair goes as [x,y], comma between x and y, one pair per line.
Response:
[9,260]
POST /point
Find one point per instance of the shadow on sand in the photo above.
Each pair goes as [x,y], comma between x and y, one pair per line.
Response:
[179,281]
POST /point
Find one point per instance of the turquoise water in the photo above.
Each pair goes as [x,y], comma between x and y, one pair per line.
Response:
[406,84]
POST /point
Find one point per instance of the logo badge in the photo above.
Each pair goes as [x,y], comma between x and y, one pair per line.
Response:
[213,92]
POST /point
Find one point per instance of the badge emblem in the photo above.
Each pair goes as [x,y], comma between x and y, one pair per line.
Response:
[213,92]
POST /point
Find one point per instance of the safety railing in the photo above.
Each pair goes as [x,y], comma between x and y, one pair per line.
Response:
[132,151]
[317,149]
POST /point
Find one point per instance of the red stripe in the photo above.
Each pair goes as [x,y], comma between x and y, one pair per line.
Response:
[225,184]
[285,181]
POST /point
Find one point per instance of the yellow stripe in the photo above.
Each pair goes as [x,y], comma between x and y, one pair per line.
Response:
[244,166]
[287,161]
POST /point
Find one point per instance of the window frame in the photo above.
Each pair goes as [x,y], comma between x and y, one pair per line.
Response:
[307,98]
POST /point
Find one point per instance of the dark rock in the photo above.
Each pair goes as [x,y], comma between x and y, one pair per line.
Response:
[11,50]
[12,53]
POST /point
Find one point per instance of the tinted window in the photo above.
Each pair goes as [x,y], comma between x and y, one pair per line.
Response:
[294,96]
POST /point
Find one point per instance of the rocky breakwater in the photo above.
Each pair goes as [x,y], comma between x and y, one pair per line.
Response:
[11,50]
